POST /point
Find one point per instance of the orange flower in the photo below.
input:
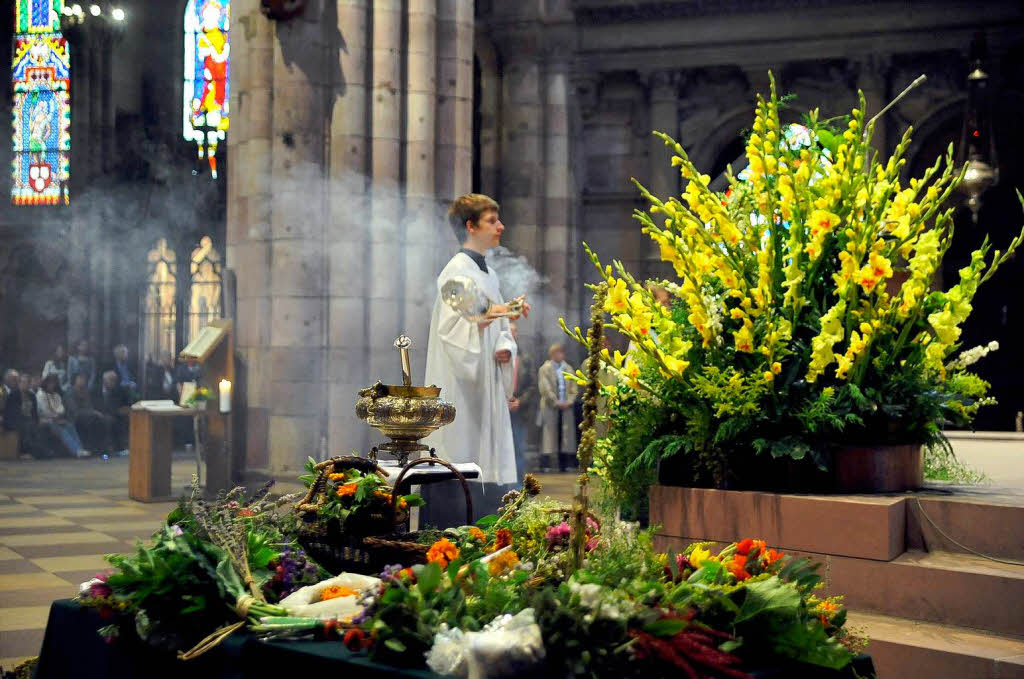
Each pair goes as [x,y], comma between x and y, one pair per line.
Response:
[746,546]
[771,556]
[736,567]
[246,512]
[502,539]
[336,591]
[477,534]
[346,490]
[336,477]
[503,563]
[442,552]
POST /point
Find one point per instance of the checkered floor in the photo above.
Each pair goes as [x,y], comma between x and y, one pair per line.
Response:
[58,519]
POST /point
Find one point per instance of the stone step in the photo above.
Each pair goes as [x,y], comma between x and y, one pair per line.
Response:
[978,518]
[877,527]
[938,587]
[902,649]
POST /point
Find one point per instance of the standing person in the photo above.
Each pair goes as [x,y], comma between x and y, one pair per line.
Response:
[123,370]
[556,417]
[522,401]
[58,365]
[11,397]
[53,417]
[471,360]
[81,362]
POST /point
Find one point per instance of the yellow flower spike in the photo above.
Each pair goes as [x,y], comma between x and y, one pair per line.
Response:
[676,161]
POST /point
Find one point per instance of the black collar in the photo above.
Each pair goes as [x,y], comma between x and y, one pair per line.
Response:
[476,257]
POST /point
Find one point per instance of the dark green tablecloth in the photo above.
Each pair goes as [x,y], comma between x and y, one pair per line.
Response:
[73,648]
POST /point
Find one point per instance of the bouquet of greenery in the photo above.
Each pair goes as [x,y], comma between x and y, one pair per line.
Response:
[353,497]
[802,313]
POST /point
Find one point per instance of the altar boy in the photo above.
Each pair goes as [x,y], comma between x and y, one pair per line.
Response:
[472,362]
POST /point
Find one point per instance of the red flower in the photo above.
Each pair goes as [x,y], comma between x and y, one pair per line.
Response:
[502,539]
[355,640]
[746,546]
[771,556]
[246,512]
[736,567]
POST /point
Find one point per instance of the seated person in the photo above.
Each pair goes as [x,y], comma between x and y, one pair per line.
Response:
[53,417]
[114,402]
[25,419]
[93,426]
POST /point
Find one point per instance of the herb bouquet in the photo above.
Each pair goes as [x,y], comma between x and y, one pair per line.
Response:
[802,314]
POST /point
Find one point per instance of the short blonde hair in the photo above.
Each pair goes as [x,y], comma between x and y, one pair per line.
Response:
[557,346]
[469,208]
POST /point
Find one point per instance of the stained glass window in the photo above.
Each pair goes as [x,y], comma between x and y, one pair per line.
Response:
[204,288]
[206,91]
[41,76]
[161,304]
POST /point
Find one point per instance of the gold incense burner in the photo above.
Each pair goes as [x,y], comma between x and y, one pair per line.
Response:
[405,414]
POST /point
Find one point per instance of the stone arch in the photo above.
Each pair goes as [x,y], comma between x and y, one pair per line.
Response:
[732,123]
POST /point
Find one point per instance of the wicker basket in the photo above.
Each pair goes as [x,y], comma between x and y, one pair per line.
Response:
[372,543]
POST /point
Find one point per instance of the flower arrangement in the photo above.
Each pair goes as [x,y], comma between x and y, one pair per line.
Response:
[200,396]
[354,496]
[802,312]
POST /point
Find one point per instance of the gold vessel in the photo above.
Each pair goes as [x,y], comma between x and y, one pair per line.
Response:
[405,414]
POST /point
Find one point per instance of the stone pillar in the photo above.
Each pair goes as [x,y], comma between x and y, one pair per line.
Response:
[664,101]
[873,80]
[663,178]
[248,222]
[557,209]
[387,231]
[421,211]
[338,148]
[349,231]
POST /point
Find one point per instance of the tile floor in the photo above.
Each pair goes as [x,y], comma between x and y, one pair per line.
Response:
[58,519]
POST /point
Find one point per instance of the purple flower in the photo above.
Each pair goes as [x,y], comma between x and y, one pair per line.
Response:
[176,531]
[390,573]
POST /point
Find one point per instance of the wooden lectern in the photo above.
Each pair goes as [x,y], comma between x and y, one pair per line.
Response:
[149,469]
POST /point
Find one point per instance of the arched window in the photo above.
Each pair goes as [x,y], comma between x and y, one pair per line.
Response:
[41,75]
[161,306]
[204,288]
[205,96]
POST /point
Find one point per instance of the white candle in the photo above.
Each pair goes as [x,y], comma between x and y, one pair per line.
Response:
[225,396]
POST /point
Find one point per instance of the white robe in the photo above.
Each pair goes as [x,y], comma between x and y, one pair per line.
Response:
[460,360]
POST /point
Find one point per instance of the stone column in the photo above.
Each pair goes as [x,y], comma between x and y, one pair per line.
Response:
[387,231]
[664,101]
[663,178]
[349,230]
[556,189]
[421,210]
[873,80]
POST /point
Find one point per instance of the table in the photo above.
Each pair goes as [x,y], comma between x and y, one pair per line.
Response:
[72,648]
[149,460]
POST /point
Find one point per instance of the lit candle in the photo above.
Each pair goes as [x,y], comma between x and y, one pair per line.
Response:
[225,396]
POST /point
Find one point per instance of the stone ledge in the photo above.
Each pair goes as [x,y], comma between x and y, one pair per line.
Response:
[861,526]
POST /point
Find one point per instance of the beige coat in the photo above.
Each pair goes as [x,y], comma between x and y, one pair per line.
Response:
[552,440]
